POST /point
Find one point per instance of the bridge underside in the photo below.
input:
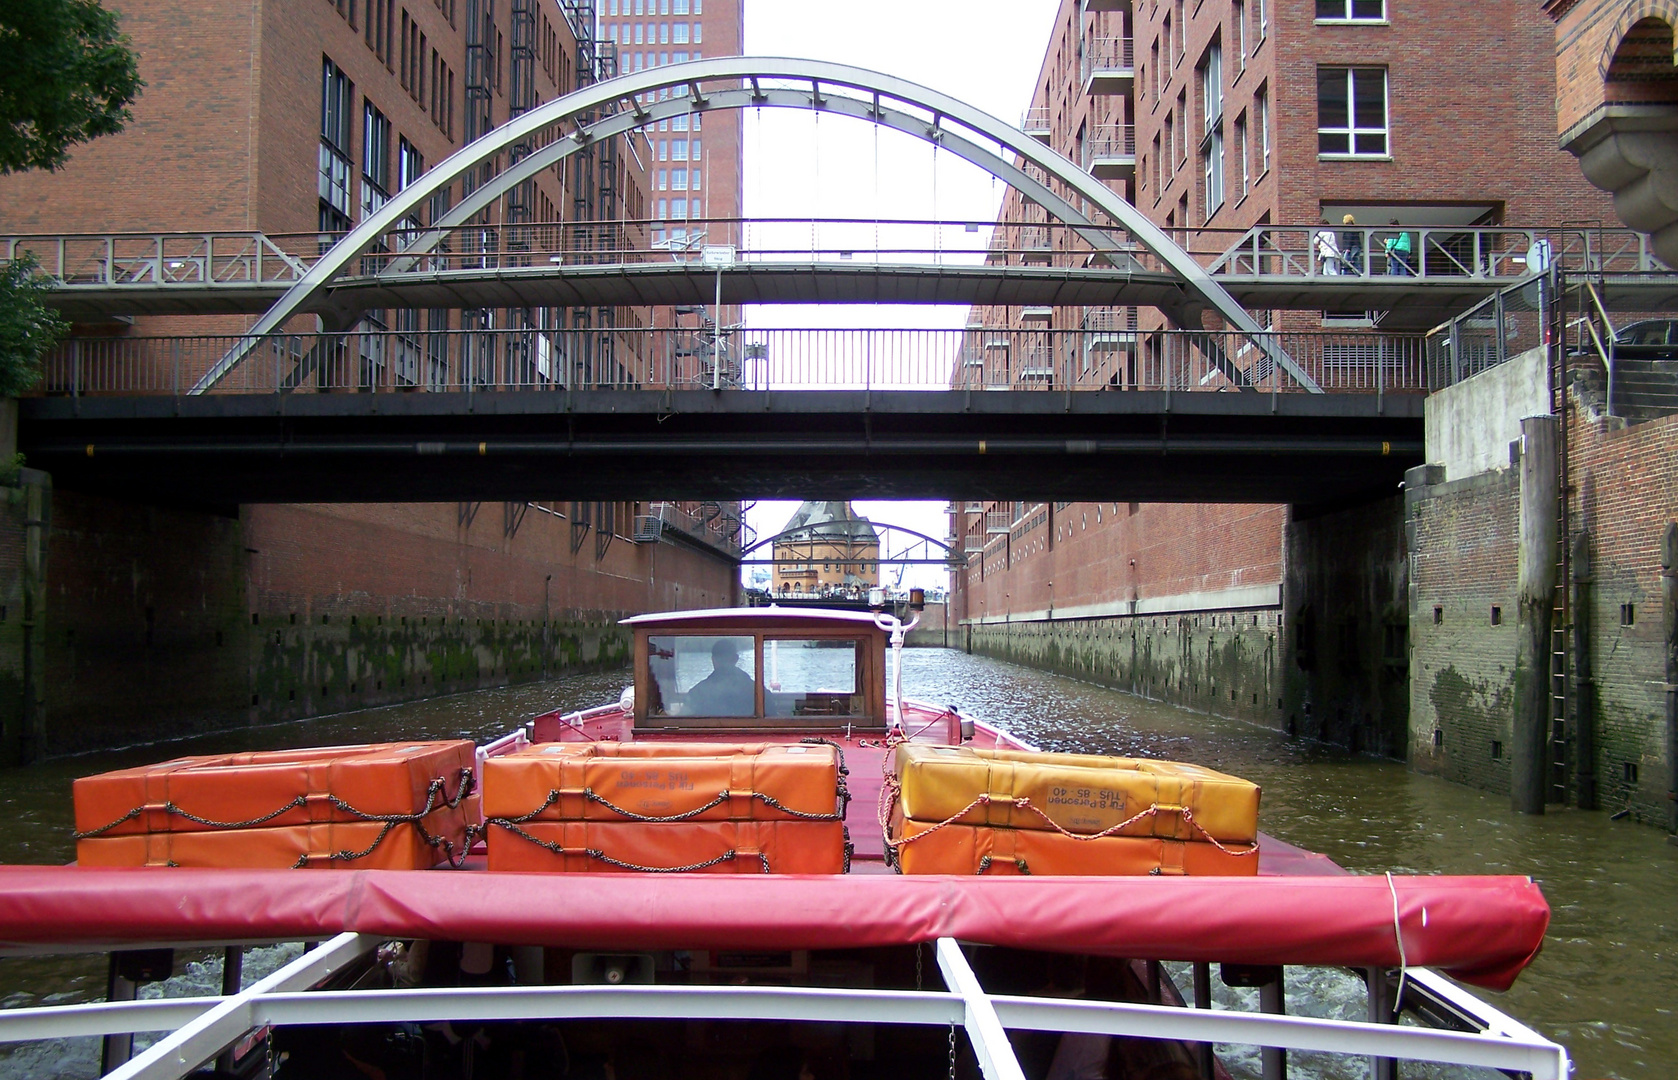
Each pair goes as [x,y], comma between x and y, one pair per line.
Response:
[220,450]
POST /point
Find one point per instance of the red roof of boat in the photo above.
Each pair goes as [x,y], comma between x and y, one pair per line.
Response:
[1482,930]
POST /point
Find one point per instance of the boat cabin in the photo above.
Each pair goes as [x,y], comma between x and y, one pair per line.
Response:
[751,669]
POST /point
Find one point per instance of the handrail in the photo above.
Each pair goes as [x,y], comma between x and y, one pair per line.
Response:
[203,1025]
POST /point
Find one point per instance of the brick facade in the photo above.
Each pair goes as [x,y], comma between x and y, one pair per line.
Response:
[168,620]
[1461,147]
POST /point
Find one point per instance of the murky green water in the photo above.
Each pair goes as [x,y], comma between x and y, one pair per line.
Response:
[1606,984]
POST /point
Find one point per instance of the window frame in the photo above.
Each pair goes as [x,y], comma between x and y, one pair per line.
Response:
[1349,18]
[1353,129]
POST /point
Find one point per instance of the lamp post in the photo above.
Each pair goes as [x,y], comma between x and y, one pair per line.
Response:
[717,256]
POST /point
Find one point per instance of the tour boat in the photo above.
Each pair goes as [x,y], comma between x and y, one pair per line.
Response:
[762,860]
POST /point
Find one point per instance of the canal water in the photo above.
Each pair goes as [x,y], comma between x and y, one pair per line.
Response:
[1605,985]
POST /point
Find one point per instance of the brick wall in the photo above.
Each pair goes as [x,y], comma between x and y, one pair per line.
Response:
[1462,676]
[165,622]
[1588,35]
[1624,492]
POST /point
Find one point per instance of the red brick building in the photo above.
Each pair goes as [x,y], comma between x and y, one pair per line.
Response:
[1617,106]
[299,119]
[1213,117]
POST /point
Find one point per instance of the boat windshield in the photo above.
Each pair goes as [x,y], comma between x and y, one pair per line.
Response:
[707,676]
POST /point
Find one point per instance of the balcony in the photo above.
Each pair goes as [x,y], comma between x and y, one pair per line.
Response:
[1037,123]
[1037,313]
[1110,152]
[973,506]
[1037,366]
[1106,5]
[1108,330]
[1109,66]
[975,544]
[1036,244]
[996,523]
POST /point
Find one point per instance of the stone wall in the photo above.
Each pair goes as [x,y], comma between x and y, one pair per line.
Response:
[164,622]
[1224,662]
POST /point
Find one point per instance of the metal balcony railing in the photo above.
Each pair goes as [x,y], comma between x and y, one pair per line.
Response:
[1037,122]
[997,522]
[1109,63]
[1110,146]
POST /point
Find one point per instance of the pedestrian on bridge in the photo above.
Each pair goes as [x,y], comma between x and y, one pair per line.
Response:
[1398,253]
[1351,246]
[1327,251]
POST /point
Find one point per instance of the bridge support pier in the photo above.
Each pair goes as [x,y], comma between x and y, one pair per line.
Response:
[1535,600]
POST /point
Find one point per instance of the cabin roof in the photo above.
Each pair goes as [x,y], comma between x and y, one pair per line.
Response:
[771,617]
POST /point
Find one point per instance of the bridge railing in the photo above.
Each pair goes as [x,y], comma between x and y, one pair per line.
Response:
[1327,250]
[377,360]
[190,261]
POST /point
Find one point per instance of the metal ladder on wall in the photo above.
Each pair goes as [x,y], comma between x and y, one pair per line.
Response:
[1560,750]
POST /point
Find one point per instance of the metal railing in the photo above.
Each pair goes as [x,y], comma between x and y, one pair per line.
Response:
[1328,251]
[196,1029]
[1037,121]
[709,523]
[196,261]
[1108,142]
[477,361]
[1108,56]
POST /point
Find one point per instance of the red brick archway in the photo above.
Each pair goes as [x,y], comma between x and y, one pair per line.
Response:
[1631,51]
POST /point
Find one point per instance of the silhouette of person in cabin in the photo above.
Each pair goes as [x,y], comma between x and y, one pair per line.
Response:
[726,691]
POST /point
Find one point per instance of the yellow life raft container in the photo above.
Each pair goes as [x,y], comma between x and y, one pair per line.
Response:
[960,810]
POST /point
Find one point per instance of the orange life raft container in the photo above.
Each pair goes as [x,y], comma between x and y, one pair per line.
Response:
[718,807]
[958,810]
[377,806]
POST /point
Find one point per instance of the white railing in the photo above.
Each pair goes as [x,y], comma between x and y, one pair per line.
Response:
[200,1028]
[1108,56]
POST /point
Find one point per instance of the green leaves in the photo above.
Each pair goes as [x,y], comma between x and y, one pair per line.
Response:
[68,76]
[28,327]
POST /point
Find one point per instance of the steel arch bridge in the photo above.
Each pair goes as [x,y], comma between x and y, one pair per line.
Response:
[918,548]
[739,83]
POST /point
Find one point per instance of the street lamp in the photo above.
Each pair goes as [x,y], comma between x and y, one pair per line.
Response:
[717,256]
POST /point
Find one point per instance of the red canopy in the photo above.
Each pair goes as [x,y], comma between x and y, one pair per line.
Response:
[1482,930]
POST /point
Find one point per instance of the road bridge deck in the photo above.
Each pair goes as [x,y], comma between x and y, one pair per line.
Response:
[225,449]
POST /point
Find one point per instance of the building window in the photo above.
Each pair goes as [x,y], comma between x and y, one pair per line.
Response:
[1261,120]
[336,127]
[678,149]
[375,160]
[1352,112]
[698,36]
[1261,18]
[1238,19]
[1351,10]
[1212,137]
[693,180]
[410,164]
[1244,152]
[680,8]
[680,34]
[680,179]
[664,180]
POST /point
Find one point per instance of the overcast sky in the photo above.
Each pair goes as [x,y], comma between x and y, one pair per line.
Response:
[984,52]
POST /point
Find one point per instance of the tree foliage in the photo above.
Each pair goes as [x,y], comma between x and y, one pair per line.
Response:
[28,327]
[67,76]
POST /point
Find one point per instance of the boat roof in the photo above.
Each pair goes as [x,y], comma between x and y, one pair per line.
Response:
[772,615]
[1482,930]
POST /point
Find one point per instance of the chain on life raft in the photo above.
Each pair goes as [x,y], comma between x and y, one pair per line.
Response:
[436,798]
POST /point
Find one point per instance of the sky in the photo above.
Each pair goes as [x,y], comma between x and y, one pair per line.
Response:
[798,164]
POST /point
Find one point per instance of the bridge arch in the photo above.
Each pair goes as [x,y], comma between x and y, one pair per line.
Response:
[813,533]
[926,116]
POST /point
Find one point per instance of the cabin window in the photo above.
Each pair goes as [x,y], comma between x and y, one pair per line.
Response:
[702,676]
[812,677]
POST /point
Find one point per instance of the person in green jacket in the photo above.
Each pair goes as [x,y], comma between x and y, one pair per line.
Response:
[1398,253]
